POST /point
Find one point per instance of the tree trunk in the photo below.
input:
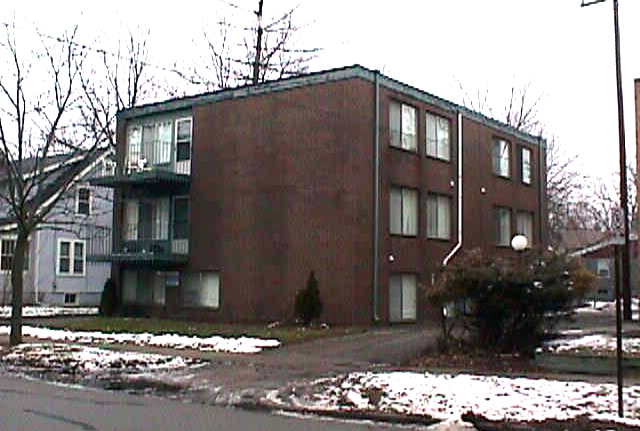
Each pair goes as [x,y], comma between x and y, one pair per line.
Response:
[16,288]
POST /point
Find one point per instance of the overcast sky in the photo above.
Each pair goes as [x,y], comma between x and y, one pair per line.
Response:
[564,51]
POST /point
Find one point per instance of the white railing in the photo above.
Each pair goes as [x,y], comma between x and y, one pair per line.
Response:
[180,246]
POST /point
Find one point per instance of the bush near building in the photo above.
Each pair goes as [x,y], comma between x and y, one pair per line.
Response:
[508,305]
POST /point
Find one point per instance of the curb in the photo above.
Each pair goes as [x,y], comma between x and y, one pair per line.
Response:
[393,418]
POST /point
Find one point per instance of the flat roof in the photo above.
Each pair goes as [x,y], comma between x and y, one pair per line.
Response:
[340,74]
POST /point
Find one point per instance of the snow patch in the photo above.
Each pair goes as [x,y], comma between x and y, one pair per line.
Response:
[173,341]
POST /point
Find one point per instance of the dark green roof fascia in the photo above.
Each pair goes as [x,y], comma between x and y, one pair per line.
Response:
[349,72]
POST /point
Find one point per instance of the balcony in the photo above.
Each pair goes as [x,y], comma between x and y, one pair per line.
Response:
[153,253]
[154,168]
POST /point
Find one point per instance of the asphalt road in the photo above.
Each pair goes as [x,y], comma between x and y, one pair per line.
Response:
[27,405]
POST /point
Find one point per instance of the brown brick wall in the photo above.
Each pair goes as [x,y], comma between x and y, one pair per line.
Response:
[281,186]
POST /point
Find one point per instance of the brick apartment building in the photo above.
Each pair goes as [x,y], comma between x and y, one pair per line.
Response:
[226,201]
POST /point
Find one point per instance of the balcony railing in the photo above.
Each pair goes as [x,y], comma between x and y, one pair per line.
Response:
[143,251]
[154,166]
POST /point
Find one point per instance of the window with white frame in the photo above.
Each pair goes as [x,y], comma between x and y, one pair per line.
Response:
[525,165]
[503,226]
[403,297]
[524,225]
[403,211]
[501,158]
[183,139]
[438,216]
[403,126]
[7,251]
[83,200]
[71,257]
[201,289]
[437,137]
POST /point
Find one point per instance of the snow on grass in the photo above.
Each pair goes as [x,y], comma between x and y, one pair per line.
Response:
[173,341]
[49,311]
[447,397]
[596,343]
[77,359]
[609,307]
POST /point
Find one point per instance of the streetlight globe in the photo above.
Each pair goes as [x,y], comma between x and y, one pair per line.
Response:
[519,242]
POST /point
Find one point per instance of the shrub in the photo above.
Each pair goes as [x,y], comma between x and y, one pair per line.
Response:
[308,305]
[108,301]
[508,305]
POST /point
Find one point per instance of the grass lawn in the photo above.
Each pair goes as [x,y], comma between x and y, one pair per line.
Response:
[286,334]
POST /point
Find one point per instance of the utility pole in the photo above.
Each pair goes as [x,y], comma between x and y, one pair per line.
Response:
[256,64]
[626,272]
[626,285]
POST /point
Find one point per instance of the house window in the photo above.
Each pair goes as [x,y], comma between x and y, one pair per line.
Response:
[403,205]
[403,297]
[503,227]
[402,126]
[524,225]
[437,137]
[501,158]
[7,250]
[525,165]
[181,218]
[183,139]
[202,289]
[83,201]
[71,257]
[438,216]
[70,299]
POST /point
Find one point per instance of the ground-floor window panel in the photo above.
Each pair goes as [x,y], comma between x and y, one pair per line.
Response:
[201,289]
[143,287]
[403,297]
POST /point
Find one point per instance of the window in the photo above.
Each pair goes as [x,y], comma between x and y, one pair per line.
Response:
[183,139]
[525,165]
[524,226]
[130,225]
[71,257]
[202,289]
[70,299]
[503,227]
[181,218]
[7,250]
[602,268]
[437,141]
[83,201]
[501,158]
[134,144]
[402,126]
[402,297]
[403,217]
[438,216]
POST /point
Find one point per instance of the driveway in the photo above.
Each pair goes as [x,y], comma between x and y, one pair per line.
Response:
[228,378]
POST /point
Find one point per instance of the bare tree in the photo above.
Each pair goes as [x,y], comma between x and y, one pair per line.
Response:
[39,96]
[604,205]
[117,80]
[229,52]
